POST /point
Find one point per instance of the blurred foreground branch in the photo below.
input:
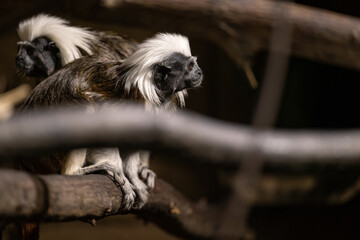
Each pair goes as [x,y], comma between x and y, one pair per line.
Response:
[182,132]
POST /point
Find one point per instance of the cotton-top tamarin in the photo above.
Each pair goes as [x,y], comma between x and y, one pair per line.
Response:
[157,75]
[48,43]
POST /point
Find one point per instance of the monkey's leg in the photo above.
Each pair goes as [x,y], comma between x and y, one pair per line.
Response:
[145,173]
[74,161]
[132,169]
[108,160]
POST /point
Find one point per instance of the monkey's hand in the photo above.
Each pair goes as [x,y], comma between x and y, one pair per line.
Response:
[145,173]
[141,177]
[118,177]
[148,176]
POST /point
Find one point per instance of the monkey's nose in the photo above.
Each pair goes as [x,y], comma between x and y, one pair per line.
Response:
[197,78]
[198,73]
[19,58]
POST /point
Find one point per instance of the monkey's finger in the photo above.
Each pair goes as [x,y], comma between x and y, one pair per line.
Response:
[148,176]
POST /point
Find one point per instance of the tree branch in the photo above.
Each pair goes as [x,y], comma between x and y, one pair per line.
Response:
[318,34]
[181,132]
[240,27]
[64,198]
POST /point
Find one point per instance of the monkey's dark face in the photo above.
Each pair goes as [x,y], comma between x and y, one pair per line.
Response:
[177,73]
[38,58]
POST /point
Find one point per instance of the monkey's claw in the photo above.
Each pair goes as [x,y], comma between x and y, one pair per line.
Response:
[118,177]
[127,190]
[141,193]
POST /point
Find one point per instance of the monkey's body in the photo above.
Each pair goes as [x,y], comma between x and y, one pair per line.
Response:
[93,80]
[47,44]
[77,90]
[156,75]
[113,46]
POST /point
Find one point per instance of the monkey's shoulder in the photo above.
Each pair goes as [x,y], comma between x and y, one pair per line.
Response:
[114,46]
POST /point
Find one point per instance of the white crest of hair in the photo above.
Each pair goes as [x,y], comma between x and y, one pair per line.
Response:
[68,39]
[150,52]
[181,97]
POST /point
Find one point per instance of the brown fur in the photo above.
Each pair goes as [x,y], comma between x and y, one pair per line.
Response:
[94,80]
[113,46]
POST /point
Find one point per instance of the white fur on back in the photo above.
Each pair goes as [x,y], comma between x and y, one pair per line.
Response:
[67,38]
[150,52]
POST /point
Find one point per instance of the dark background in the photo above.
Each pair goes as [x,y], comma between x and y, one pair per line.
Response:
[316,96]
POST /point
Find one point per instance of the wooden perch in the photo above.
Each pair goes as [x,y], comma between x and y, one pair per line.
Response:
[182,132]
[62,198]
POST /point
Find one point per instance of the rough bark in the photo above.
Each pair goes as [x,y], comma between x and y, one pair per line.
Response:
[63,198]
[47,198]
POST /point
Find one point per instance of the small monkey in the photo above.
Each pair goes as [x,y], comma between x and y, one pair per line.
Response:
[157,75]
[48,43]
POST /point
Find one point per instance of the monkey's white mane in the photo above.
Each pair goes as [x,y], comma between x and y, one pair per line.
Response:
[68,39]
[149,53]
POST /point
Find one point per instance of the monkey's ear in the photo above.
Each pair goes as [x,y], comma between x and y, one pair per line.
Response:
[161,72]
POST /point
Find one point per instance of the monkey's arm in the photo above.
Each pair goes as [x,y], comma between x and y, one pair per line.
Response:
[108,160]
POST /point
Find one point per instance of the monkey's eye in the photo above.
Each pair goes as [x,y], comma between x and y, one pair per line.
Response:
[190,66]
[51,46]
[30,50]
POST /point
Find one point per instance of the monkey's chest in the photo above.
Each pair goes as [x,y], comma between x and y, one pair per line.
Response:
[47,163]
